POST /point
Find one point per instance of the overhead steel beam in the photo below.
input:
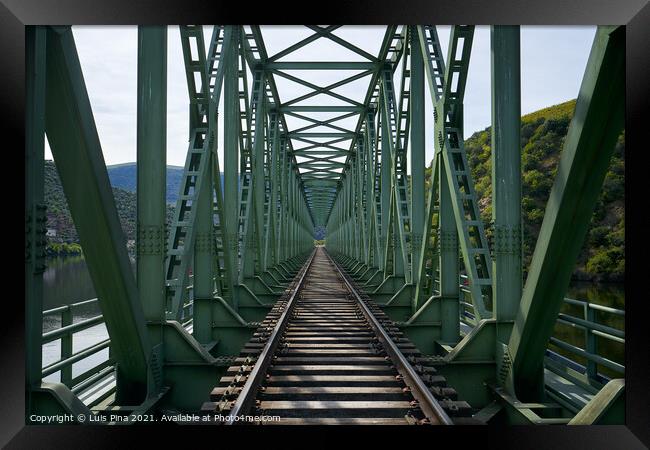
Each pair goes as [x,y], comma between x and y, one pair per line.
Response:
[346,135]
[320,65]
[302,43]
[328,34]
[386,47]
[323,108]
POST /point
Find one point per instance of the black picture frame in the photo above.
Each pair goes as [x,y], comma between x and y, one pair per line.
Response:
[635,14]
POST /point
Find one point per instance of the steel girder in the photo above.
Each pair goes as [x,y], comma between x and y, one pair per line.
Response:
[152,176]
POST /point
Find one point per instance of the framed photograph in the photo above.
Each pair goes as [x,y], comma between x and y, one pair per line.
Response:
[352,228]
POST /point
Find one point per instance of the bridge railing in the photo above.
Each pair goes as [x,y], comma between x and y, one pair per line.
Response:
[592,360]
[566,351]
[97,381]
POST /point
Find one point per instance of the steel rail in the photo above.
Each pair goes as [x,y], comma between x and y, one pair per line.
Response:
[249,390]
[426,401]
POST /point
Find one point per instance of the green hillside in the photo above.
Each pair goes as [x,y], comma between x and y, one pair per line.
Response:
[59,220]
[542,137]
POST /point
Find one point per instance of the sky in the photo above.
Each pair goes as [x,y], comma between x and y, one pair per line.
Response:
[553,60]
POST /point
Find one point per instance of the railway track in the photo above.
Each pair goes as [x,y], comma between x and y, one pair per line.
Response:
[325,354]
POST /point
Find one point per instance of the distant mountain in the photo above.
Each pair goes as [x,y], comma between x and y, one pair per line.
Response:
[61,229]
[124,176]
[62,233]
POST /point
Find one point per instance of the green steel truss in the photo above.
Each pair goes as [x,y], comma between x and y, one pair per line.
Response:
[408,247]
[353,166]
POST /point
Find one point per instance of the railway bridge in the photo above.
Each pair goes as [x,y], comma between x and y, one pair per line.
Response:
[326,279]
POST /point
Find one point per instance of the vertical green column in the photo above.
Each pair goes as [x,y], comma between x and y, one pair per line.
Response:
[275,203]
[370,192]
[385,188]
[398,261]
[283,201]
[151,176]
[249,251]
[354,243]
[449,261]
[35,218]
[231,127]
[203,259]
[269,238]
[253,253]
[506,176]
[289,208]
[258,175]
[597,122]
[417,152]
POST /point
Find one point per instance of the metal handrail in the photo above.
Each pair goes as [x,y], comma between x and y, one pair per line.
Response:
[91,377]
[78,356]
[71,329]
[589,356]
[587,323]
[68,307]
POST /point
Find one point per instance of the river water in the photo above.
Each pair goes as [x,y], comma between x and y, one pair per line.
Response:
[67,280]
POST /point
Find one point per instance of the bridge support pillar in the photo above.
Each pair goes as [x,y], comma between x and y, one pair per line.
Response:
[204,253]
[506,181]
[41,398]
[449,262]
[231,180]
[151,177]
[417,135]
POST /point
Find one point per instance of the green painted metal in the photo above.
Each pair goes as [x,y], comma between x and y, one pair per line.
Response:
[428,259]
[152,176]
[35,208]
[506,176]
[448,264]
[198,164]
[395,129]
[471,233]
[234,70]
[76,149]
[597,122]
[417,134]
